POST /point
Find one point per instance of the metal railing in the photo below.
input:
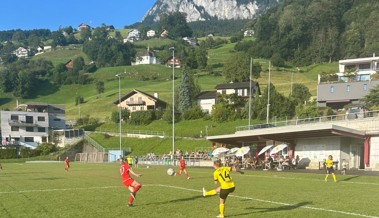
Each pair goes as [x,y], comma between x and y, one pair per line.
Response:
[137,132]
[94,143]
[322,119]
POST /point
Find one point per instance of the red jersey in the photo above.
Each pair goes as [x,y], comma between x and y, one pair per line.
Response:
[182,163]
[124,171]
[66,162]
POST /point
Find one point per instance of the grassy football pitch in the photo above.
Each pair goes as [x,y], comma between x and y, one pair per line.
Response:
[95,190]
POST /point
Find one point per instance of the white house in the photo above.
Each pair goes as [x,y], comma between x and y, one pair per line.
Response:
[248,33]
[146,57]
[134,33]
[207,99]
[150,33]
[190,41]
[21,52]
[31,124]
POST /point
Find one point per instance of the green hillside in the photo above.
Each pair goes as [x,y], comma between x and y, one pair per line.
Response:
[151,78]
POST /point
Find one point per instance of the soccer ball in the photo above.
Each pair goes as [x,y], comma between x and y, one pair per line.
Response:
[170,172]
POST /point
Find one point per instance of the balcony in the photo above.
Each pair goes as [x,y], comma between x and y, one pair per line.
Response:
[19,123]
[131,103]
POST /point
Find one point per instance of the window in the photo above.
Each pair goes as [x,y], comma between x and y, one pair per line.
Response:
[41,129]
[14,117]
[142,108]
[331,89]
[44,139]
[29,119]
[364,87]
[133,108]
[15,128]
[29,129]
[348,88]
[41,118]
[239,92]
[29,139]
[57,119]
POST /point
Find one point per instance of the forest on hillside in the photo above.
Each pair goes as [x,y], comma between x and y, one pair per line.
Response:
[315,31]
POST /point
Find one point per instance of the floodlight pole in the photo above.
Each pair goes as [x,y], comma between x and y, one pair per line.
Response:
[268,92]
[251,69]
[119,112]
[173,104]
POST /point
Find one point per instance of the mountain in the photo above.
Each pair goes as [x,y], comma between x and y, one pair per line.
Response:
[202,10]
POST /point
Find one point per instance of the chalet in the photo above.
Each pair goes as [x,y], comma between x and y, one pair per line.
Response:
[248,33]
[83,26]
[145,57]
[177,62]
[134,33]
[164,34]
[137,100]
[21,52]
[353,81]
[150,34]
[190,41]
[69,64]
[207,99]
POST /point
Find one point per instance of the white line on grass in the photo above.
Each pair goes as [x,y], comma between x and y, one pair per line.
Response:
[57,189]
[304,179]
[274,202]
[193,190]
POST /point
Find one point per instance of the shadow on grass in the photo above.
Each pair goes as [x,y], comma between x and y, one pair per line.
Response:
[349,178]
[48,178]
[272,209]
[5,100]
[177,200]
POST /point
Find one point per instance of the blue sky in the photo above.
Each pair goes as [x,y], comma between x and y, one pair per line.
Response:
[51,14]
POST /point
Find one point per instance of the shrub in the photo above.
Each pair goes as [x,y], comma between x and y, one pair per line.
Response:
[141,117]
[193,113]
[8,153]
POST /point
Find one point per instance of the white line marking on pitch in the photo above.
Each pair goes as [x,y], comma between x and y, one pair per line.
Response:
[58,189]
[273,202]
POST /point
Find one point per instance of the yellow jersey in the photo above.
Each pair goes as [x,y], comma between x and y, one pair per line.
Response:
[329,163]
[130,160]
[222,175]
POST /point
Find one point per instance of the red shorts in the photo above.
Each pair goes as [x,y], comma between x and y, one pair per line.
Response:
[128,182]
[182,168]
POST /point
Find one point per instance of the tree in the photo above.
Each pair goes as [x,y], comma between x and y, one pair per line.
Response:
[34,41]
[185,95]
[58,39]
[176,24]
[300,93]
[372,99]
[100,87]
[237,68]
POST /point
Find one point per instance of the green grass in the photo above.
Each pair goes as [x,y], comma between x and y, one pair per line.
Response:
[63,54]
[155,43]
[95,190]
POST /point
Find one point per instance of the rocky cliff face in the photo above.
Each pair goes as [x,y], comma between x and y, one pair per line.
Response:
[200,10]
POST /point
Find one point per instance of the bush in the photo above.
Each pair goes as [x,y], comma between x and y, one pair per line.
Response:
[141,117]
[30,153]
[9,153]
[46,148]
[193,113]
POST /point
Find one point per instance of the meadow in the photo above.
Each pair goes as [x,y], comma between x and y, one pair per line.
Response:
[95,190]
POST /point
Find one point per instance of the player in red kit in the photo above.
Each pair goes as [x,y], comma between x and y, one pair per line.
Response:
[66,164]
[182,164]
[129,182]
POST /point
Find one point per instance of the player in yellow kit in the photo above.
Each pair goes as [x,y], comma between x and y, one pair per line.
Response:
[222,176]
[329,168]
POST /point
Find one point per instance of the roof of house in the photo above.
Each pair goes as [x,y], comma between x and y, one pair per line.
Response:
[207,95]
[134,91]
[236,85]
